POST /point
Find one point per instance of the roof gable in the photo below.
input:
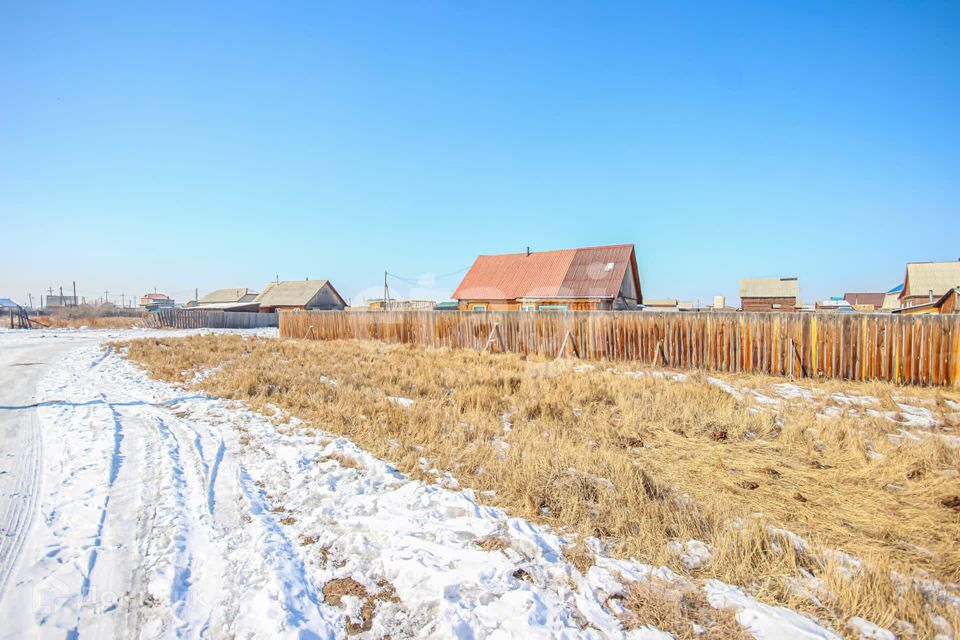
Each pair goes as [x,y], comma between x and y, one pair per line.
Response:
[587,272]
[769,288]
[876,299]
[294,293]
[924,277]
[224,295]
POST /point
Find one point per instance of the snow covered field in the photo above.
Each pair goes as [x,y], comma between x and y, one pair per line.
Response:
[131,507]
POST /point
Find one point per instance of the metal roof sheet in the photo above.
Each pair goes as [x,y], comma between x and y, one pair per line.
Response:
[586,272]
[291,293]
[220,296]
[769,288]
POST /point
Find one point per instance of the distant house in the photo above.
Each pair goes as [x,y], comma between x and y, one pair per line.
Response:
[925,282]
[949,302]
[769,294]
[865,301]
[834,304]
[6,304]
[400,305]
[891,299]
[56,302]
[239,299]
[668,304]
[592,278]
[156,301]
[300,294]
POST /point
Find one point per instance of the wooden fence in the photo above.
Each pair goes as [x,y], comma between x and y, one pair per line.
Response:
[922,350]
[197,319]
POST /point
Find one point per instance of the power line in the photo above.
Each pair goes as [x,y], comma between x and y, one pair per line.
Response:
[435,277]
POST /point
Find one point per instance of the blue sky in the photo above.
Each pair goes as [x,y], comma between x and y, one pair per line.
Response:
[178,146]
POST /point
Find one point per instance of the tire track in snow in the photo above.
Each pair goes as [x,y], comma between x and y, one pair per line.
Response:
[116,460]
[22,505]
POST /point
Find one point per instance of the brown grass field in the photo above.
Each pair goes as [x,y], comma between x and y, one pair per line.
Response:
[95,322]
[638,461]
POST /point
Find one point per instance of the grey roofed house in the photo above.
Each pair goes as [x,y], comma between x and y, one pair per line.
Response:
[300,294]
[769,287]
[227,296]
[7,303]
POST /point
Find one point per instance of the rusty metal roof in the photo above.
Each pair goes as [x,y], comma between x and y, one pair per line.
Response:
[595,272]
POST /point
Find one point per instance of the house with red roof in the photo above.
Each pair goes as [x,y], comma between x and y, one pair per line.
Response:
[587,279]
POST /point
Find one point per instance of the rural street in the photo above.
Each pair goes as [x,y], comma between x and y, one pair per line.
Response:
[22,364]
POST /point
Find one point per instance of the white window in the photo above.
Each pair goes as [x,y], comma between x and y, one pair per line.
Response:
[609,267]
[478,307]
[527,307]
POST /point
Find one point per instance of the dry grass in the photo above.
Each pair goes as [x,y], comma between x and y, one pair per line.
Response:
[61,322]
[684,613]
[635,461]
[336,589]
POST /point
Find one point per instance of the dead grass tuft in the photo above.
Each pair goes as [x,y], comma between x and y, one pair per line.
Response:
[684,613]
[335,590]
[580,556]
[344,460]
[93,322]
[493,543]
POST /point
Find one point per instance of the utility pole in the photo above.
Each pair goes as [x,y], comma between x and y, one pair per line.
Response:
[106,297]
[123,303]
[386,291]
[30,295]
[61,296]
[196,296]
[74,293]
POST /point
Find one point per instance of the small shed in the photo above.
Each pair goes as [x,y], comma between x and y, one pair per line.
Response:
[304,295]
[769,294]
[925,282]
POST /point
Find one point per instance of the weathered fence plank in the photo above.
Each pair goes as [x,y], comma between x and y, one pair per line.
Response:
[210,319]
[902,349]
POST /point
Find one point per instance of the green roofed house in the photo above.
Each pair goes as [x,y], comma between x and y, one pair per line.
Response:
[304,295]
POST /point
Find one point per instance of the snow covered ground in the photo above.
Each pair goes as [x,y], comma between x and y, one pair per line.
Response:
[130,507]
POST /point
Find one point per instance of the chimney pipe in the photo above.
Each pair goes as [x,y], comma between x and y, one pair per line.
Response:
[528,252]
[930,295]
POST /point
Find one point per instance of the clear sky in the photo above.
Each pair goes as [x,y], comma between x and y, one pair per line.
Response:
[183,146]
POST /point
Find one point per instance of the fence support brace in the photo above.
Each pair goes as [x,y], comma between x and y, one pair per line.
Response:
[568,341]
[495,334]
